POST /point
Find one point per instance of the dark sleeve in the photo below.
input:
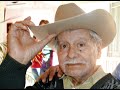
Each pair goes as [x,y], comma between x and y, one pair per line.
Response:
[107,82]
[12,74]
[56,83]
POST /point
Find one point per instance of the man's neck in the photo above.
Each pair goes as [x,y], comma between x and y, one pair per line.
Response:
[79,80]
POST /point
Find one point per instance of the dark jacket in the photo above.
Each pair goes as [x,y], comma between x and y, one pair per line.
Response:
[12,76]
[107,82]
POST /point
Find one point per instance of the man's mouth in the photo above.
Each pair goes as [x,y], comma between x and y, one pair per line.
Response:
[75,64]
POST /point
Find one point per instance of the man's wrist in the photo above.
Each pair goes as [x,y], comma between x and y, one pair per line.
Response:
[10,64]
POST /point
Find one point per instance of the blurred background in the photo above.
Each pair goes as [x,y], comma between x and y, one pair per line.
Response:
[12,11]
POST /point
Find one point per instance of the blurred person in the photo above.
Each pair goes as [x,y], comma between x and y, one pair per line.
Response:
[39,62]
[43,22]
[36,62]
[3,51]
[3,46]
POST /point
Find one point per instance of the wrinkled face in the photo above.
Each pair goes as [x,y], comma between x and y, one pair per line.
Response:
[77,53]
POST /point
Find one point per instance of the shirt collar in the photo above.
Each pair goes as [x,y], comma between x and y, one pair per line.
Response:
[87,84]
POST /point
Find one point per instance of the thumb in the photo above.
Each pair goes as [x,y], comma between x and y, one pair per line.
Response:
[41,44]
[28,18]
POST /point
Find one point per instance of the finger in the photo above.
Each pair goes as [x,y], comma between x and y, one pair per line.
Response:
[52,72]
[12,28]
[20,25]
[46,40]
[28,18]
[44,76]
[41,44]
[15,27]
[60,72]
[27,21]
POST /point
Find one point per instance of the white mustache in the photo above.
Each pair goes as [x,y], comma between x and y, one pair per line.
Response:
[74,61]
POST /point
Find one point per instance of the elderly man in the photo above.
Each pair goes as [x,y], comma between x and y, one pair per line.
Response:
[80,38]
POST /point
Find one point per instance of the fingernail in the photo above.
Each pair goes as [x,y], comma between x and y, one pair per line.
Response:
[28,17]
[43,80]
[59,75]
[50,79]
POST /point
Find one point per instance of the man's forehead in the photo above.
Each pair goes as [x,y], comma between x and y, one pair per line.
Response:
[74,33]
[75,38]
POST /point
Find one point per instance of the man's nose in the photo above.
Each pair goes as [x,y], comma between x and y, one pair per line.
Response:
[72,52]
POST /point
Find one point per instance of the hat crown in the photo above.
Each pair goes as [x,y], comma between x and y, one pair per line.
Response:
[71,17]
[67,11]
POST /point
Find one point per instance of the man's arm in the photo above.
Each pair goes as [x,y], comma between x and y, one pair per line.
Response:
[21,50]
[12,74]
[50,73]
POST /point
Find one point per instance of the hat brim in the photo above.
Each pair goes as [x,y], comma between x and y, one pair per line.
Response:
[100,21]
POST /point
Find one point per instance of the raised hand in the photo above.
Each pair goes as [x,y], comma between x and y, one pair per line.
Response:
[21,46]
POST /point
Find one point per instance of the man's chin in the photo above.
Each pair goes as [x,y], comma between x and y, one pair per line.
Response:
[74,67]
[74,72]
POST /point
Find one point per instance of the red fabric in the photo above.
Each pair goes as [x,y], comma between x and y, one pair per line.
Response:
[37,61]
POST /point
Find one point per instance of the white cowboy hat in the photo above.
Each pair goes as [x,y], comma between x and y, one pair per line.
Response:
[70,16]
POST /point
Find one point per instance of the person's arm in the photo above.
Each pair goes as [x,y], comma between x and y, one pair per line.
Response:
[12,74]
[55,83]
[21,50]
[50,73]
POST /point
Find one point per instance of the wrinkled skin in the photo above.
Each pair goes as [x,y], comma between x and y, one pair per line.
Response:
[21,46]
[77,56]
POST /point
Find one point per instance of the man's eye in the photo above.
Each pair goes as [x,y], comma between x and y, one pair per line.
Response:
[81,45]
[63,46]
